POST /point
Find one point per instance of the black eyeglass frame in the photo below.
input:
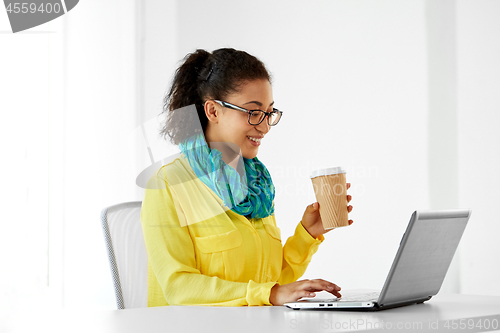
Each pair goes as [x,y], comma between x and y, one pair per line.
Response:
[250,112]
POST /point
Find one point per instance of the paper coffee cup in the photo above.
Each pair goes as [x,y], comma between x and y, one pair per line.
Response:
[331,193]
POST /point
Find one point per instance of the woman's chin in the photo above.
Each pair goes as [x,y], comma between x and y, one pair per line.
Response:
[250,154]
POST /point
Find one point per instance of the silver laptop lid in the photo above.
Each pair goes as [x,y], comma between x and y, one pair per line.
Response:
[424,256]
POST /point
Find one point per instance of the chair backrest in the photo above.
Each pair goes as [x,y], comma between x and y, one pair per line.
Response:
[127,253]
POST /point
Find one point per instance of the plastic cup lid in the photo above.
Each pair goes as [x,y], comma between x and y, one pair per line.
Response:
[327,171]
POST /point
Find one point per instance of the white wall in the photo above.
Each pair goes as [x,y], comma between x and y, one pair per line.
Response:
[99,159]
[69,102]
[479,142]
[24,108]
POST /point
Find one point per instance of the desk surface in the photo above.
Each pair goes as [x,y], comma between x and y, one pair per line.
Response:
[440,314]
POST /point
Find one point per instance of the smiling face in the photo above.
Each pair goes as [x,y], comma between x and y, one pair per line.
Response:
[231,126]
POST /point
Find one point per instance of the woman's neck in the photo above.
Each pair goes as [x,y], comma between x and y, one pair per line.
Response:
[231,153]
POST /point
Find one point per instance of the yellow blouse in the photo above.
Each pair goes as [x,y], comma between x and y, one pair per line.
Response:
[202,253]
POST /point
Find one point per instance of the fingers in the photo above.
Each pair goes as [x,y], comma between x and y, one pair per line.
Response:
[281,294]
[348,185]
[312,207]
[320,285]
[349,209]
[349,198]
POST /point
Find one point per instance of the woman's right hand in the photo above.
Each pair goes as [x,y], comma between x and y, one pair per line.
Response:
[291,292]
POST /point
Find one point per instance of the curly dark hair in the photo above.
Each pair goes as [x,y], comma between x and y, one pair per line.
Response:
[202,76]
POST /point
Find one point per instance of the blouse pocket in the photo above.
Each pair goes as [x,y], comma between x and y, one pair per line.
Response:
[220,242]
[221,255]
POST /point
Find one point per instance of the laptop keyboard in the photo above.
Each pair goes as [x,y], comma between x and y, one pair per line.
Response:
[368,297]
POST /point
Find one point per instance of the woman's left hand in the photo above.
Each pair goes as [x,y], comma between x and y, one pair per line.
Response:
[311,220]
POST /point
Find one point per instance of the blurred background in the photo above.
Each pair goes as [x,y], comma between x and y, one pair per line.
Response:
[403,94]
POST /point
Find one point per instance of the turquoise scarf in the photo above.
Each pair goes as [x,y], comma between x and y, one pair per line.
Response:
[250,194]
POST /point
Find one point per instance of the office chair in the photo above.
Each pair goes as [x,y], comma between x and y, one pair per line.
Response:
[127,253]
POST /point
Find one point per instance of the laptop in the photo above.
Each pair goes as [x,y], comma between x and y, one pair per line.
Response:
[418,270]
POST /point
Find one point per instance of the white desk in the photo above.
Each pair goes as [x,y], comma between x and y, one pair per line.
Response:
[433,316]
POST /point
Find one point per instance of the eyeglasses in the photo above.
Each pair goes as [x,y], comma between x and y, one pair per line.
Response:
[255,117]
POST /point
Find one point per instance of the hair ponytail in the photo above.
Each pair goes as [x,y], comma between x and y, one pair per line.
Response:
[184,90]
[205,75]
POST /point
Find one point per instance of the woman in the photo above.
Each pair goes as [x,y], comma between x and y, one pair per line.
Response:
[208,217]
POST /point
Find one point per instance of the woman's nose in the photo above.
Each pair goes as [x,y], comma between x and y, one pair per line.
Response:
[263,126]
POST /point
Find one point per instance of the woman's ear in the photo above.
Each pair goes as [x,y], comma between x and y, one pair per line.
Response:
[212,111]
